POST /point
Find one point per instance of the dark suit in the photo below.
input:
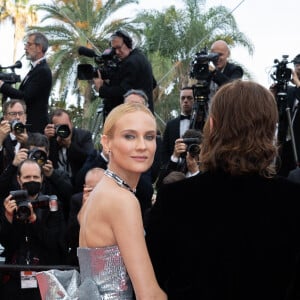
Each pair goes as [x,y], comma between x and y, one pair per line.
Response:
[230,72]
[35,91]
[73,227]
[41,243]
[170,135]
[81,146]
[135,72]
[8,171]
[287,160]
[214,236]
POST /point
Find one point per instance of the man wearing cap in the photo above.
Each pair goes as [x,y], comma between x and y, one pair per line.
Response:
[288,161]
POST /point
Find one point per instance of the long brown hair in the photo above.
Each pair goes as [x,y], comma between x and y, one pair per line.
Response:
[240,137]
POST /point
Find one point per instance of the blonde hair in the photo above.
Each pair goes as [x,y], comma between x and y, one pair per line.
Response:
[121,110]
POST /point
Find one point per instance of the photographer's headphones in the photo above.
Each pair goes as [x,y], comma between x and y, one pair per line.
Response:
[125,36]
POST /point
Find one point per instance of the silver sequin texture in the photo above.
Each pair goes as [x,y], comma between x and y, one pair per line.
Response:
[102,276]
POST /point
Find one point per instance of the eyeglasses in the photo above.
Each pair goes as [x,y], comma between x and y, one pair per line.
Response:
[16,113]
[28,44]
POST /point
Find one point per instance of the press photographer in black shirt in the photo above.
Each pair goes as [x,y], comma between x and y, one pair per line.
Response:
[134,72]
[31,234]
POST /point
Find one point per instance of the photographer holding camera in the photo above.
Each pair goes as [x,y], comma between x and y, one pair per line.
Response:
[221,70]
[36,86]
[69,146]
[31,233]
[185,157]
[134,72]
[13,131]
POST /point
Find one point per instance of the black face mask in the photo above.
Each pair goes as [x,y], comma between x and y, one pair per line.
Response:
[32,187]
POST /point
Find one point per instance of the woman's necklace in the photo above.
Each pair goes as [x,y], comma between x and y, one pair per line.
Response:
[119,180]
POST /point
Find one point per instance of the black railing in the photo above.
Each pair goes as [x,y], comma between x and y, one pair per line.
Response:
[37,268]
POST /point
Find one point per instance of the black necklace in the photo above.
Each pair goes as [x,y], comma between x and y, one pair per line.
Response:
[119,180]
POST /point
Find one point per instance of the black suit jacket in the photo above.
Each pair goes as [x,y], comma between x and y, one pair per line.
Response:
[230,72]
[35,91]
[81,146]
[73,227]
[170,135]
[135,72]
[214,236]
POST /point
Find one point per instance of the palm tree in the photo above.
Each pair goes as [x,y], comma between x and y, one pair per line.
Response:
[21,15]
[177,35]
[76,23]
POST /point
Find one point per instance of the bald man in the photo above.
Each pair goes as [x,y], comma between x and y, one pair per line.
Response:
[222,71]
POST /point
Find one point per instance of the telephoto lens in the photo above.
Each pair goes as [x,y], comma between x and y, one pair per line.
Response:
[62,131]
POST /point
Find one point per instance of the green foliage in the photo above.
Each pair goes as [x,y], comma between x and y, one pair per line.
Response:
[170,38]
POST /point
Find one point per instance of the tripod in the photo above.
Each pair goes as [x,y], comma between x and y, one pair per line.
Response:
[200,107]
[285,112]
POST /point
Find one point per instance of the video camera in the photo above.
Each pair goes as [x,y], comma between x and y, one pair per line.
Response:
[282,73]
[11,78]
[107,63]
[200,65]
[18,127]
[22,201]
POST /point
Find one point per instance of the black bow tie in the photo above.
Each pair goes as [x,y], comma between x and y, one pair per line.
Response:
[182,117]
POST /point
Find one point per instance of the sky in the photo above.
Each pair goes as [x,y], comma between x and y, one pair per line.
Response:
[270,25]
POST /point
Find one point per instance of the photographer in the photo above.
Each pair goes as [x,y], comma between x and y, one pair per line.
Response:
[55,181]
[69,146]
[31,234]
[286,161]
[176,127]
[36,86]
[13,132]
[134,72]
[185,157]
[221,70]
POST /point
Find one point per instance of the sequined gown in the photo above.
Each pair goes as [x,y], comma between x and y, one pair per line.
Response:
[102,276]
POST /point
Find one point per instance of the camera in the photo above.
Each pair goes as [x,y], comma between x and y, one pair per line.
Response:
[11,78]
[38,155]
[193,146]
[107,64]
[62,130]
[282,73]
[200,65]
[17,126]
[22,201]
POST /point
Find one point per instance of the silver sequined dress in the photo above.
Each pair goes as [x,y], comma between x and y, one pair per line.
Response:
[102,276]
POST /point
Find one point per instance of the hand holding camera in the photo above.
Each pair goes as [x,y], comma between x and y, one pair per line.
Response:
[179,148]
[59,130]
[4,130]
[20,156]
[10,206]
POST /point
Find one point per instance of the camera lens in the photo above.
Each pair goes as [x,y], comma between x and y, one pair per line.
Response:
[63,131]
[194,150]
[17,126]
[38,155]
[23,211]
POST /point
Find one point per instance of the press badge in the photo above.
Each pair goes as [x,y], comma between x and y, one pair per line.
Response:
[28,280]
